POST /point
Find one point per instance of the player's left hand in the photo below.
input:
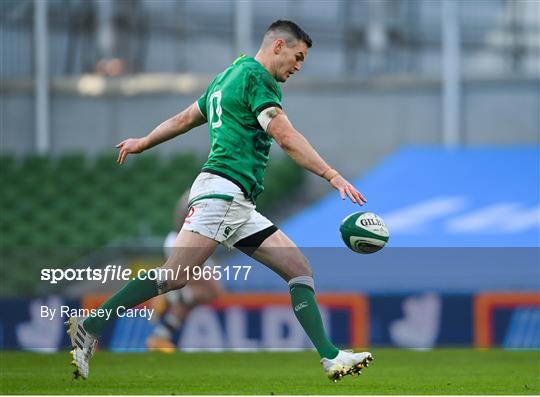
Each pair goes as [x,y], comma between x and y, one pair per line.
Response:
[346,189]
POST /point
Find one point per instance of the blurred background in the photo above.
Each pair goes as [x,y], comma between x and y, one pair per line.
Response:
[432,108]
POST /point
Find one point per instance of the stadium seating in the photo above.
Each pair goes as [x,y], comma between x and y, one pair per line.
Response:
[74,202]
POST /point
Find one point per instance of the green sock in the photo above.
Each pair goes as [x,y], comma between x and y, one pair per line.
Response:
[134,292]
[307,312]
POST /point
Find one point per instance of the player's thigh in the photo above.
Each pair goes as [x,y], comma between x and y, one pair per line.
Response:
[190,250]
[281,255]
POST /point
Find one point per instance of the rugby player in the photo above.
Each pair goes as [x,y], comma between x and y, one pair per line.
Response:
[242,106]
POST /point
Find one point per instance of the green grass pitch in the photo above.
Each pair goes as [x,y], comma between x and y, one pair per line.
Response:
[440,371]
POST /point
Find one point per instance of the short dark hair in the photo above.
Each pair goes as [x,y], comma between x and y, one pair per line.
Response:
[284,26]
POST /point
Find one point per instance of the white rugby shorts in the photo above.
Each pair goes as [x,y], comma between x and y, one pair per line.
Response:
[219,210]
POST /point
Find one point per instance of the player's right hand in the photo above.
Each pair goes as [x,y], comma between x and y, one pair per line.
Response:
[128,146]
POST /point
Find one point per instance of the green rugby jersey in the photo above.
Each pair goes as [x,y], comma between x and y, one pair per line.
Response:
[239,147]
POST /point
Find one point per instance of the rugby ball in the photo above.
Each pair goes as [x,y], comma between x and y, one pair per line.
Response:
[364,232]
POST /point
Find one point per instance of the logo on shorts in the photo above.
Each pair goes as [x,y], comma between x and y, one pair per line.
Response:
[190,212]
[227,231]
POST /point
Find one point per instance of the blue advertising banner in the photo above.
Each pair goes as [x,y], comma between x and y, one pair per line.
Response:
[266,321]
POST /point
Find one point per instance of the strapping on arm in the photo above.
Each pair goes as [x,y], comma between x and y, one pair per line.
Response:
[267,115]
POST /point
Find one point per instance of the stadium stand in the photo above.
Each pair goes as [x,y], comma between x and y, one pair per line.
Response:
[485,196]
[469,219]
[73,205]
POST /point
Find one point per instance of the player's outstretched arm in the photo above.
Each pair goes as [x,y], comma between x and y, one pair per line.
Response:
[301,151]
[179,124]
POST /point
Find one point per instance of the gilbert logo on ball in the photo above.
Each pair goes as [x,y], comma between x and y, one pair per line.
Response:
[364,232]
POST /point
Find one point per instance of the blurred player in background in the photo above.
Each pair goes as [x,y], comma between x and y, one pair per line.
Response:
[181,301]
[242,107]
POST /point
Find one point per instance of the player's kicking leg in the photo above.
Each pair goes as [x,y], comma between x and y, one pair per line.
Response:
[280,254]
[83,345]
[84,333]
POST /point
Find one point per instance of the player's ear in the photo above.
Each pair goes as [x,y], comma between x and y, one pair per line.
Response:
[278,46]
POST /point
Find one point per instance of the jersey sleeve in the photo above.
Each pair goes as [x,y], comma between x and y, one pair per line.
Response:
[201,103]
[263,92]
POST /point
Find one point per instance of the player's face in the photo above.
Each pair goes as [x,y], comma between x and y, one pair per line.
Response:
[289,60]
